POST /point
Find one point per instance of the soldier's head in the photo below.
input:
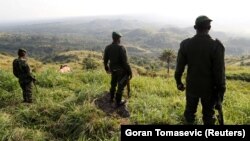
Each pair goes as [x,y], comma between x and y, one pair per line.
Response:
[202,24]
[21,52]
[116,37]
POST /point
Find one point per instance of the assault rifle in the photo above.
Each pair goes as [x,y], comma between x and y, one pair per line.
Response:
[125,81]
[218,107]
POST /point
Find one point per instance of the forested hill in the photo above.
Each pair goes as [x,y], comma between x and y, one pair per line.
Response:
[140,37]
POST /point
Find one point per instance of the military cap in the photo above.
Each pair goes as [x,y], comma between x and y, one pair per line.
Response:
[201,19]
[116,34]
[21,50]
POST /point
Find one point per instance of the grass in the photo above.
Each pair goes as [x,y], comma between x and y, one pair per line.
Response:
[64,107]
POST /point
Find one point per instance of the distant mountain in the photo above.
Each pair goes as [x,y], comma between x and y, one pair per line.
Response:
[141,37]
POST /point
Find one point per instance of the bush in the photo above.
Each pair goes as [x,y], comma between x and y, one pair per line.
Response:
[8,81]
[89,63]
[240,76]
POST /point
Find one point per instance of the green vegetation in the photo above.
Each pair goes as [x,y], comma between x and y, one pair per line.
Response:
[141,38]
[89,63]
[64,107]
[168,56]
[240,76]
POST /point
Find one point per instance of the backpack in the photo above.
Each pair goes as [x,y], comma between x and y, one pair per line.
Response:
[16,68]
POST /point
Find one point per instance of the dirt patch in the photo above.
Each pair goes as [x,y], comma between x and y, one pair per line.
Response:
[110,108]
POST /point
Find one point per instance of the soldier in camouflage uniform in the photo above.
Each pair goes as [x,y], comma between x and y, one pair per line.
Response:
[115,54]
[21,70]
[205,72]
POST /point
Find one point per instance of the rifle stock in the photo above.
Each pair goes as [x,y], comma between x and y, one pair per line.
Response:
[34,82]
[218,107]
[128,89]
[125,81]
[220,116]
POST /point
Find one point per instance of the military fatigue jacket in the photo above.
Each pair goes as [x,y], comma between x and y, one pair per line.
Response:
[116,55]
[204,58]
[21,70]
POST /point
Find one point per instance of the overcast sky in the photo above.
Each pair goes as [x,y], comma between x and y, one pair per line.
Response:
[226,14]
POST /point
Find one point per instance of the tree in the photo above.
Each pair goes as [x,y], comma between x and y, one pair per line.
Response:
[168,56]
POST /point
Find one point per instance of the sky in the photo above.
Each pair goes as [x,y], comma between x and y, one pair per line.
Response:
[231,15]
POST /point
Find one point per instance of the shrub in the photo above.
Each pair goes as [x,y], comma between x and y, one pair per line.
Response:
[240,76]
[89,63]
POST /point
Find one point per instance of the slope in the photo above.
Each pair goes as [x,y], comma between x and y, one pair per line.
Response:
[64,107]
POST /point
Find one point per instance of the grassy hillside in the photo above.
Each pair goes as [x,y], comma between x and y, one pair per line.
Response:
[6,62]
[65,105]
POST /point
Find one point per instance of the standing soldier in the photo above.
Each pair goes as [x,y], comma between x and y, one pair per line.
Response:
[118,66]
[205,73]
[21,70]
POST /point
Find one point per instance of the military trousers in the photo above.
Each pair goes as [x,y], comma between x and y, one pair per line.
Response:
[117,87]
[207,103]
[27,91]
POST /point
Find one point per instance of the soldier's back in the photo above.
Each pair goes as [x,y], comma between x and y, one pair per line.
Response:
[113,51]
[199,53]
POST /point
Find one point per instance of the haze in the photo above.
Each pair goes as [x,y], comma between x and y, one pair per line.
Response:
[227,15]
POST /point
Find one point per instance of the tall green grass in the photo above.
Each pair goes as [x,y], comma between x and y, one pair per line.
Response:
[63,107]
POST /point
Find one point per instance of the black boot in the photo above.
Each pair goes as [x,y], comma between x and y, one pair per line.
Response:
[121,103]
[111,100]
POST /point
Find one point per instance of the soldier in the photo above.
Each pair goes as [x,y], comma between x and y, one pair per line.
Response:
[21,70]
[115,54]
[205,72]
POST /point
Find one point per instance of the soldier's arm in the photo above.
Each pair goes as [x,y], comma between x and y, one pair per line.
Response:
[26,68]
[124,58]
[106,59]
[181,63]
[219,67]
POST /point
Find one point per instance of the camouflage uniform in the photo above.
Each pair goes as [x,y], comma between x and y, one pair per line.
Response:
[21,70]
[205,74]
[119,67]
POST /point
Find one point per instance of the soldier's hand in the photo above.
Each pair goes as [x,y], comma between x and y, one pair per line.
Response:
[34,80]
[107,70]
[181,87]
[218,105]
[130,76]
